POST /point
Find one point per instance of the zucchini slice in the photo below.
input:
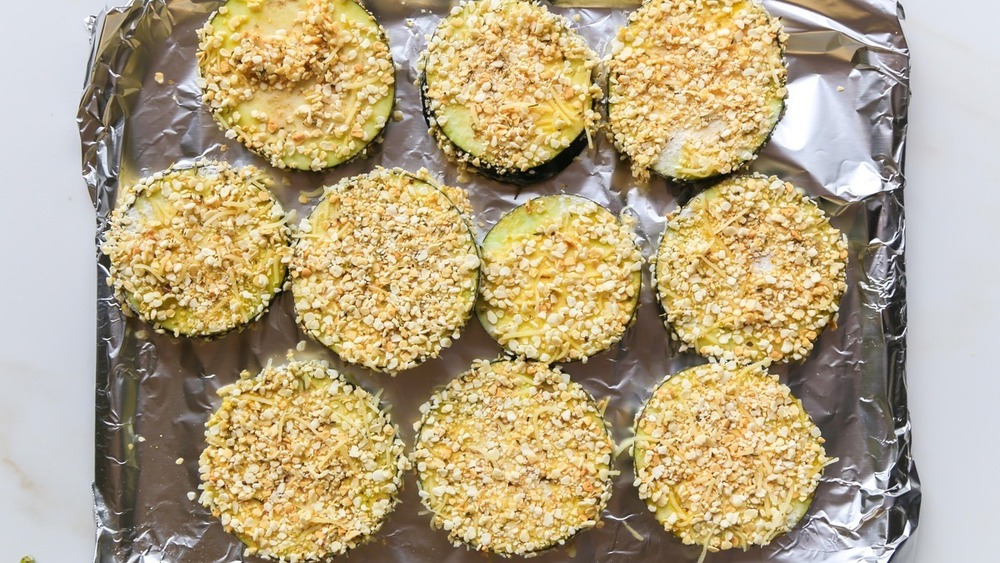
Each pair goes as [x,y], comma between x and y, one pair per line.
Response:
[726,457]
[513,457]
[507,88]
[750,270]
[561,279]
[300,464]
[307,84]
[198,250]
[385,269]
[695,86]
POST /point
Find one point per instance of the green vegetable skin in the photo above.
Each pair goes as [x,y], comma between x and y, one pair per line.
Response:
[281,15]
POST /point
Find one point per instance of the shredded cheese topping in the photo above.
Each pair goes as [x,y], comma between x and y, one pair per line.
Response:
[561,279]
[726,456]
[750,270]
[516,75]
[695,85]
[513,457]
[306,83]
[385,269]
[198,251]
[300,464]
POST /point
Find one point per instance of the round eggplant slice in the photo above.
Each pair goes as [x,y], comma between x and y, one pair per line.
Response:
[300,464]
[308,84]
[199,250]
[385,269]
[750,270]
[726,457]
[507,89]
[561,279]
[513,457]
[695,86]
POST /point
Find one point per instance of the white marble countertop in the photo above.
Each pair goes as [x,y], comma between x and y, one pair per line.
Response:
[953,221]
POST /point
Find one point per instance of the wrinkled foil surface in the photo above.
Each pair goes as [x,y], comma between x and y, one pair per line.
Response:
[841,139]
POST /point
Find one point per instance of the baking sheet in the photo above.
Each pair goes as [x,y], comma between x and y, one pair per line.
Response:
[842,139]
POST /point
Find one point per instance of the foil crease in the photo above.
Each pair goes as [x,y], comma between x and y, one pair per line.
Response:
[842,139]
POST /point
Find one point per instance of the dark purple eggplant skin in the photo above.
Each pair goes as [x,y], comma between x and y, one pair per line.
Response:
[540,173]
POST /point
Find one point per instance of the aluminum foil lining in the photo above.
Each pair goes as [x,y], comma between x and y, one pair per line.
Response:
[842,139]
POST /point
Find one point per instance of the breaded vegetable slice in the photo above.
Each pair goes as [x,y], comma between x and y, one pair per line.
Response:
[561,279]
[695,86]
[513,457]
[198,250]
[749,270]
[385,269]
[507,89]
[300,464]
[307,84]
[726,457]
